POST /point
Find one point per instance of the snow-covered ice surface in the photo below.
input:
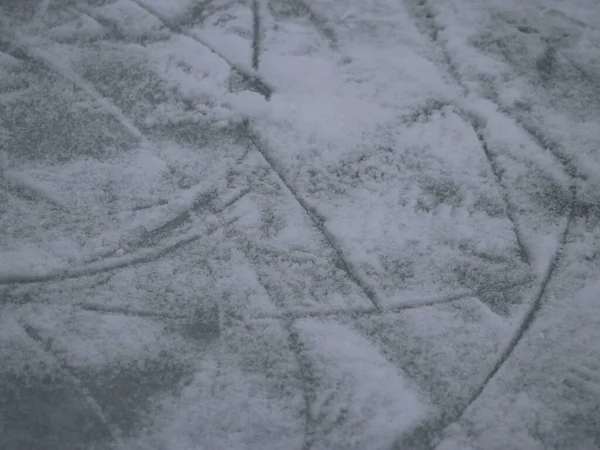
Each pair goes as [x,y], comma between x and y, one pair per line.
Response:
[318,224]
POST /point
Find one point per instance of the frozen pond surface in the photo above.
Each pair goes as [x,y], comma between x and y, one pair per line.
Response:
[299,224]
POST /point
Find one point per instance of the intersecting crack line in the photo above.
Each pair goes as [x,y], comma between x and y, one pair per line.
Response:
[319,221]
[551,145]
[153,235]
[17,43]
[509,208]
[46,347]
[524,253]
[111,264]
[353,272]
[304,367]
[319,23]
[536,300]
[144,257]
[455,77]
[528,317]
[86,10]
[543,141]
[28,188]
[364,310]
[46,60]
[254,79]
[289,314]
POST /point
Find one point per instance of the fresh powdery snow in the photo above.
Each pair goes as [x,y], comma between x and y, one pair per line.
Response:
[299,224]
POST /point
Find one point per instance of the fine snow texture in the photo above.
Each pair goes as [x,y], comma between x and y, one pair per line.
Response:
[267,224]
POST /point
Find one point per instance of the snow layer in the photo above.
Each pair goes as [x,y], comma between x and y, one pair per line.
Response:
[333,249]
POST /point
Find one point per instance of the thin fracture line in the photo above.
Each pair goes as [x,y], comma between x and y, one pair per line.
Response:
[363,310]
[318,22]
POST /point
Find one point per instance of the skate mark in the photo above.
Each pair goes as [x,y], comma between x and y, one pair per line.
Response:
[319,23]
[150,205]
[110,264]
[44,59]
[430,28]
[353,271]
[524,325]
[427,109]
[524,253]
[584,377]
[113,29]
[202,200]
[8,48]
[46,347]
[362,311]
[542,141]
[30,189]
[232,200]
[121,311]
[424,110]
[307,379]
[533,308]
[256,30]
[252,78]
[546,142]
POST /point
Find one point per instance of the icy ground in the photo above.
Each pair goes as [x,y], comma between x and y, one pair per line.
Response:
[300,224]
